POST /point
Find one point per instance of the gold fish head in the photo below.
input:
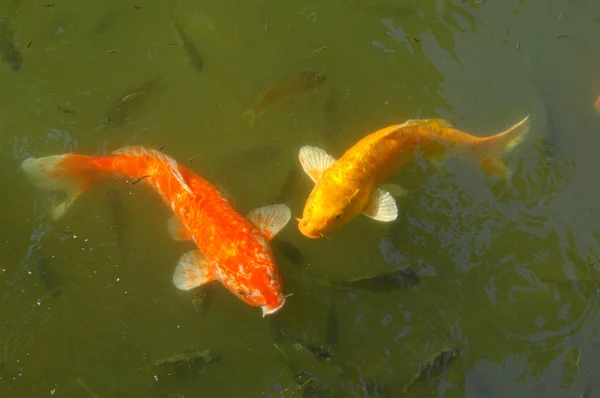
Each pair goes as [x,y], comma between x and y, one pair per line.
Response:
[328,208]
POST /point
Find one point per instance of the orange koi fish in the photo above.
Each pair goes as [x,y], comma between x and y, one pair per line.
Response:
[349,186]
[232,249]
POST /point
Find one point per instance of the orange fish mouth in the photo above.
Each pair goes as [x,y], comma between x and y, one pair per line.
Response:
[268,311]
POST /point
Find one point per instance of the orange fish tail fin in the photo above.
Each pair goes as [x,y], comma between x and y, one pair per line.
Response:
[490,150]
[70,173]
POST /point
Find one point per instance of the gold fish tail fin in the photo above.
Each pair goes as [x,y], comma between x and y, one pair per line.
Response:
[250,117]
[490,150]
[70,173]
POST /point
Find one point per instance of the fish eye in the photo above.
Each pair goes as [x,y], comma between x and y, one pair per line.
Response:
[338,216]
[241,293]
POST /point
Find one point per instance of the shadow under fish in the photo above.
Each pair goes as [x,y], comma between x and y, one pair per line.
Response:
[287,250]
[290,185]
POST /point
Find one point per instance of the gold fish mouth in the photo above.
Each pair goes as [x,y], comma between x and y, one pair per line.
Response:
[308,234]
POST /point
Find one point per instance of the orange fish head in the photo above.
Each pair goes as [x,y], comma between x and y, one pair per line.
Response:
[258,284]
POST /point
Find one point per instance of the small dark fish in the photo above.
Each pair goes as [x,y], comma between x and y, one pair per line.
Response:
[187,43]
[120,111]
[8,50]
[285,90]
[189,48]
[190,160]
[317,350]
[287,250]
[45,272]
[66,110]
[117,211]
[131,96]
[434,365]
[189,359]
[398,279]
[142,178]
[320,50]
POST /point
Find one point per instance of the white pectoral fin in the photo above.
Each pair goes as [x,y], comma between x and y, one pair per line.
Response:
[178,230]
[270,219]
[394,189]
[193,270]
[382,206]
[315,161]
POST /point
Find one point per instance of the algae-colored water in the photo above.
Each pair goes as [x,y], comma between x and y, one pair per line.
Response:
[509,272]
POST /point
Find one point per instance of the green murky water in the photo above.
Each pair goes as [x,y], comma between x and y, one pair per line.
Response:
[508,271]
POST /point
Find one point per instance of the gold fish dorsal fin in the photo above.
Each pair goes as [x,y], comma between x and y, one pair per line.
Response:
[437,123]
[315,161]
[178,230]
[193,270]
[381,207]
[270,219]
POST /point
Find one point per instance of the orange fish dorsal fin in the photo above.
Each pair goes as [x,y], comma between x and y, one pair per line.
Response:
[157,155]
[193,270]
[178,230]
[381,207]
[315,161]
[270,219]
